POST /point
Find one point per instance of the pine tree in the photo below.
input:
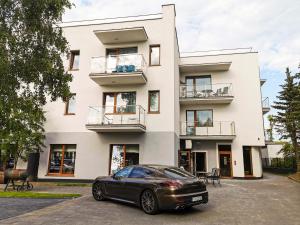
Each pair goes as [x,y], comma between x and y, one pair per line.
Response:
[288,115]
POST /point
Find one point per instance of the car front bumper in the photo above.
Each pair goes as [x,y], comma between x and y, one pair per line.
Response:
[173,201]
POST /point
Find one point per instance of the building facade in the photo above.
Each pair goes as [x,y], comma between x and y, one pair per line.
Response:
[136,99]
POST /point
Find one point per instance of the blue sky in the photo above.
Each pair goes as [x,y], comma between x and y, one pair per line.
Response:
[271,27]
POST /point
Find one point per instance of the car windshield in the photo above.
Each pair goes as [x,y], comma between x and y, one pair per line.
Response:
[177,173]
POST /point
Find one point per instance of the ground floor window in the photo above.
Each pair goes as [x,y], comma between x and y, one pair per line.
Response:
[122,155]
[62,159]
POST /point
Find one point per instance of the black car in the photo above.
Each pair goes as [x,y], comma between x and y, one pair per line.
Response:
[152,187]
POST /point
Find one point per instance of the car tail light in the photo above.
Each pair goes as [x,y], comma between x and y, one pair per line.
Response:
[173,184]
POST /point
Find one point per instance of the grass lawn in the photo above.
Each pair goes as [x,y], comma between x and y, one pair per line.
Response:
[28,194]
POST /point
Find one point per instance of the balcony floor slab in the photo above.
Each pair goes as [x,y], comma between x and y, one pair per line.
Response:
[105,79]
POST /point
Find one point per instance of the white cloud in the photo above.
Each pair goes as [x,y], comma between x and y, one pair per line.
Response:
[271,27]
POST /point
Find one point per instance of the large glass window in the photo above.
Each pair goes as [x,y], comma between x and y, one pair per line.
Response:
[123,102]
[204,118]
[123,155]
[154,55]
[198,86]
[198,118]
[71,105]
[62,159]
[153,103]
[74,60]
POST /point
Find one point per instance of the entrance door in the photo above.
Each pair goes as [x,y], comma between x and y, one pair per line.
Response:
[247,160]
[225,164]
[199,162]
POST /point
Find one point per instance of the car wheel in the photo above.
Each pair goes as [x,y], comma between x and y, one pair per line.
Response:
[149,202]
[98,191]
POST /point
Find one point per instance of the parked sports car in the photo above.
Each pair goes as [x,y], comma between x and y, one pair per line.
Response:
[152,187]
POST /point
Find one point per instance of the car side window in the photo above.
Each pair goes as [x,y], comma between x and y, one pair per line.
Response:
[138,172]
[123,173]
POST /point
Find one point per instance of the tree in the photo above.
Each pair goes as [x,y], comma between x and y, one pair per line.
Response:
[31,70]
[288,115]
[270,131]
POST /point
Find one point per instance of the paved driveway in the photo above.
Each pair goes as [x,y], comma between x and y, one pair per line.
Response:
[272,200]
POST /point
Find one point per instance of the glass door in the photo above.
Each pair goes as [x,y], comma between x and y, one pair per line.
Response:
[190,122]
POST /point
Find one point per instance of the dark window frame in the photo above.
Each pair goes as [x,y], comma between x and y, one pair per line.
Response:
[61,174]
[115,101]
[149,105]
[67,105]
[150,59]
[195,116]
[124,157]
[72,55]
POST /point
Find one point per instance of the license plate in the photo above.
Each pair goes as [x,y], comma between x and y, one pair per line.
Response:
[196,199]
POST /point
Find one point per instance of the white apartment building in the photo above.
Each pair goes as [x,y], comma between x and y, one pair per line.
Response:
[137,100]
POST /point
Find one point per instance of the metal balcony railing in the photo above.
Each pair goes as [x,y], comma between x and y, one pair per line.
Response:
[210,128]
[206,91]
[125,63]
[265,102]
[116,115]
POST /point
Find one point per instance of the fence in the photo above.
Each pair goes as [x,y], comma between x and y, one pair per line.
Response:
[281,165]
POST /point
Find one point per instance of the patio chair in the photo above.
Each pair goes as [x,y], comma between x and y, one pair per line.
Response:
[218,92]
[225,91]
[214,176]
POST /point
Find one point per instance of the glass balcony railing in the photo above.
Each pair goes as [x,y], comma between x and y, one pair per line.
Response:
[214,128]
[206,91]
[265,102]
[116,115]
[126,63]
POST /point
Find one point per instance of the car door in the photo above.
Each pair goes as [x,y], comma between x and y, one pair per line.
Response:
[137,181]
[115,187]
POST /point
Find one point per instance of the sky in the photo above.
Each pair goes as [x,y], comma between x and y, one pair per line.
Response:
[271,27]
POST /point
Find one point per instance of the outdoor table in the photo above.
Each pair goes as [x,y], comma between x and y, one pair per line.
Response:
[207,92]
[202,175]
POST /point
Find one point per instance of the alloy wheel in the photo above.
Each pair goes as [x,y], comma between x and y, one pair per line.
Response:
[148,202]
[97,192]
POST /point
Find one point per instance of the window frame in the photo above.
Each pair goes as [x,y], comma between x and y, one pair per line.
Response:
[60,174]
[67,105]
[115,94]
[149,105]
[150,59]
[72,55]
[195,116]
[124,157]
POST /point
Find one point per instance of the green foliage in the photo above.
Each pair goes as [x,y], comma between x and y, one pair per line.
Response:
[287,150]
[31,71]
[270,131]
[287,119]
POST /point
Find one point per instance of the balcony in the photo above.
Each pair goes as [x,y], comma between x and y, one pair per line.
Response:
[124,35]
[219,130]
[130,118]
[265,105]
[206,94]
[124,69]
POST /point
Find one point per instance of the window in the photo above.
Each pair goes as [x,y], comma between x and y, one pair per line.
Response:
[204,118]
[139,172]
[198,85]
[62,159]
[74,60]
[121,51]
[154,55]
[124,172]
[153,102]
[122,156]
[177,173]
[122,102]
[71,105]
[198,118]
